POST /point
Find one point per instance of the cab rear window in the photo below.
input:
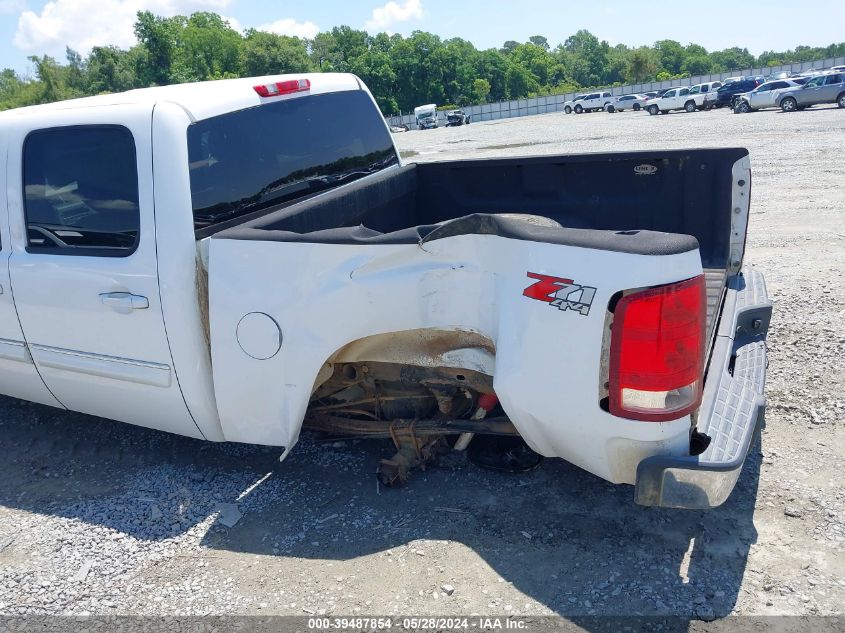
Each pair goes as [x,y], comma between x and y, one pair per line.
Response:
[246,162]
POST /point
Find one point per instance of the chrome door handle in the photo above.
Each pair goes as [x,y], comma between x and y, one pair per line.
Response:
[124,301]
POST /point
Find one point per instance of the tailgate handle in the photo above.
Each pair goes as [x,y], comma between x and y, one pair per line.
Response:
[122,301]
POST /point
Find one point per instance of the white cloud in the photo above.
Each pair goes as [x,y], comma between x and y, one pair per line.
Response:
[289,26]
[234,23]
[83,24]
[392,13]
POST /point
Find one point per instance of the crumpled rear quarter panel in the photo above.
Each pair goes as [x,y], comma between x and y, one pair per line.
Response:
[323,296]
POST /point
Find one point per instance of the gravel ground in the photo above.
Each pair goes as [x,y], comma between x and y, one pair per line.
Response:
[102,518]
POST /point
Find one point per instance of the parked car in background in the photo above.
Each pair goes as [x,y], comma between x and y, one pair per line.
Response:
[456,117]
[827,88]
[763,96]
[726,94]
[628,102]
[569,106]
[678,98]
[652,94]
[593,102]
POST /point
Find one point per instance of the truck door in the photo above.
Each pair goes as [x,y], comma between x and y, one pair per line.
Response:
[18,376]
[83,265]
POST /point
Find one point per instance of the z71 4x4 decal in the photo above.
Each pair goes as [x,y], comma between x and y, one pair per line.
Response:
[563,294]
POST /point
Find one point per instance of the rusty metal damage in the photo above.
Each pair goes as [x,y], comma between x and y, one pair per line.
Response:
[416,405]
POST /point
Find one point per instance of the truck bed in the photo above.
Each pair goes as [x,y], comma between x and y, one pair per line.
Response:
[613,201]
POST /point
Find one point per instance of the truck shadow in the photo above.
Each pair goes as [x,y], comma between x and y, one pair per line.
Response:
[575,544]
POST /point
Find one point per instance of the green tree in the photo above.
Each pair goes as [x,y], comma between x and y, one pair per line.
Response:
[536,60]
[586,58]
[539,40]
[208,49]
[111,69]
[480,90]
[159,37]
[263,53]
[732,59]
[642,64]
[697,65]
[671,55]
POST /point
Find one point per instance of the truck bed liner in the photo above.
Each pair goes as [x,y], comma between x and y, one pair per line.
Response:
[680,192]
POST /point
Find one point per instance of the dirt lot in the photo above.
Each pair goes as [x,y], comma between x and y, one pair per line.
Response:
[102,518]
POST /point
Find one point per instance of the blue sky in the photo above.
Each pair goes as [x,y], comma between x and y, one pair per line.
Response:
[30,27]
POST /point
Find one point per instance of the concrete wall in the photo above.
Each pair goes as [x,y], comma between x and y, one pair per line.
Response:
[541,105]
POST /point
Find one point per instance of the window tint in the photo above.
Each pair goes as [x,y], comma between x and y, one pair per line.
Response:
[834,79]
[683,92]
[606,94]
[254,159]
[81,190]
[816,81]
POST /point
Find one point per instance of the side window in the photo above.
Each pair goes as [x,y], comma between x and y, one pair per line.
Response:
[765,88]
[834,79]
[685,91]
[816,82]
[81,191]
[695,90]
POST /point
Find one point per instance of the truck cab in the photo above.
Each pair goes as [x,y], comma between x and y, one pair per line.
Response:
[678,98]
[594,102]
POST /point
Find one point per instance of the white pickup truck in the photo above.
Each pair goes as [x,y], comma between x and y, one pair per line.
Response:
[677,99]
[231,260]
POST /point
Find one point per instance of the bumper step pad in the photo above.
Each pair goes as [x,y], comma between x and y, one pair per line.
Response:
[730,412]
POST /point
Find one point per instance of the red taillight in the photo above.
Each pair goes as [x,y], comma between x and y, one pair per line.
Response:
[280,88]
[657,352]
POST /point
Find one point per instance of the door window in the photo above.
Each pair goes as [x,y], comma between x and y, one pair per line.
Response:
[833,79]
[815,82]
[81,191]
